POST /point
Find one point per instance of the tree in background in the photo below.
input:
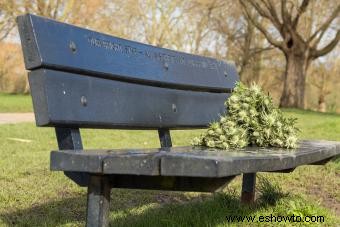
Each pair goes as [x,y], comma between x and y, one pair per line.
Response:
[11,69]
[299,42]
[215,28]
[322,79]
[243,42]
[153,22]
[79,12]
[12,77]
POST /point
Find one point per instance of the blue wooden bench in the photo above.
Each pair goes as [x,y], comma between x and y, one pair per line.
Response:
[85,79]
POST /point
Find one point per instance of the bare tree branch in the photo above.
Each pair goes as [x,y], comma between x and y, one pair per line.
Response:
[260,10]
[56,8]
[284,12]
[260,27]
[326,49]
[325,25]
[301,10]
[260,50]
[6,32]
[271,8]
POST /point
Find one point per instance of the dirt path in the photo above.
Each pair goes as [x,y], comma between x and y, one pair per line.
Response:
[10,118]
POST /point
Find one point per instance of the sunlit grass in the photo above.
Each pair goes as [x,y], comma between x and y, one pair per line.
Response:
[31,195]
[15,103]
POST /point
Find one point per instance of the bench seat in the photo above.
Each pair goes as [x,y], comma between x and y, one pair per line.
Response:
[193,161]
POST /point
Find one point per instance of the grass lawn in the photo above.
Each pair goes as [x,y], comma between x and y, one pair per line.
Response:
[15,103]
[31,195]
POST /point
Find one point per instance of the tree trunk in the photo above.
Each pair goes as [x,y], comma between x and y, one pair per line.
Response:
[322,103]
[294,81]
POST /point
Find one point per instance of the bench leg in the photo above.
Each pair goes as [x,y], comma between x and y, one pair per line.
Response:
[248,188]
[98,201]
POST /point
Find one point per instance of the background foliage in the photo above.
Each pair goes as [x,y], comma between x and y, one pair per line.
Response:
[214,28]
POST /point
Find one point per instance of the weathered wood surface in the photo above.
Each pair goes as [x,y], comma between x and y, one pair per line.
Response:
[70,139]
[61,98]
[54,45]
[193,162]
[252,159]
[98,201]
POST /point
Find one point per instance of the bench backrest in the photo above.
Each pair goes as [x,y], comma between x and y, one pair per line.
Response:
[81,78]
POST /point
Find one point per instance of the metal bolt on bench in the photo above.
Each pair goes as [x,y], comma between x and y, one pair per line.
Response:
[84,79]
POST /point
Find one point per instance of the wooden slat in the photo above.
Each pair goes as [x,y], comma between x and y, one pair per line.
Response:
[216,163]
[54,45]
[72,100]
[135,162]
[192,162]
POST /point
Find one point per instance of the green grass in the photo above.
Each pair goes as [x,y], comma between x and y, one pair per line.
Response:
[15,103]
[31,195]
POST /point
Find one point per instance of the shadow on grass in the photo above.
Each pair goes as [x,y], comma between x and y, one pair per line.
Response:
[48,214]
[336,159]
[203,211]
[209,212]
